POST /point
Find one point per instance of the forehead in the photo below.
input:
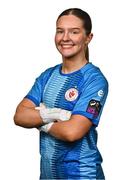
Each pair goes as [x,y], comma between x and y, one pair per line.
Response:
[68,21]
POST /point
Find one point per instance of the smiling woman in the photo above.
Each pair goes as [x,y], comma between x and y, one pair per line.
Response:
[72,39]
[70,99]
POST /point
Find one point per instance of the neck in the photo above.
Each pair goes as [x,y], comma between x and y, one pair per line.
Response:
[73,64]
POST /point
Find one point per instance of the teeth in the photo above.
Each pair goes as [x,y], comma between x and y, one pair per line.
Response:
[67,45]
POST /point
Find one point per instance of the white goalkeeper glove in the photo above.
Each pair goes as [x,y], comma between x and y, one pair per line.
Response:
[46,127]
[51,114]
[42,106]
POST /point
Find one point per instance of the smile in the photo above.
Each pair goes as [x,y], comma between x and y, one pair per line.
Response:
[67,45]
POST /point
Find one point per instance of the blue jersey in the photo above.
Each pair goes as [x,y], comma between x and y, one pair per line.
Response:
[84,93]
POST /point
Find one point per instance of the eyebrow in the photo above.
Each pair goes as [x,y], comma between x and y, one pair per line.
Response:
[73,28]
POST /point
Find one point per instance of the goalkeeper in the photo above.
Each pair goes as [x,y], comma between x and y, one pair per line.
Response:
[74,93]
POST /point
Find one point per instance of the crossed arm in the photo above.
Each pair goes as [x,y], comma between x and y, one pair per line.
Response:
[73,129]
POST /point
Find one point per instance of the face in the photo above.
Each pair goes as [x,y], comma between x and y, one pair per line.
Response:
[70,38]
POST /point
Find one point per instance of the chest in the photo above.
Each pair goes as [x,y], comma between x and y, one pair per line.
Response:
[62,91]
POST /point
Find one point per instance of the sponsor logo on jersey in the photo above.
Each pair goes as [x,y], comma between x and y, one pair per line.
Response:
[71,94]
[100,93]
[94,107]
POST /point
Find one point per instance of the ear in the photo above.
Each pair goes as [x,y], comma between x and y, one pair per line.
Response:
[89,38]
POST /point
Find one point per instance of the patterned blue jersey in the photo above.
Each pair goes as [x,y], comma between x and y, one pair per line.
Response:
[84,93]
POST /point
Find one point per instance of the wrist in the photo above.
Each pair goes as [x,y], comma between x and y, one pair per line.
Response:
[46,128]
[43,114]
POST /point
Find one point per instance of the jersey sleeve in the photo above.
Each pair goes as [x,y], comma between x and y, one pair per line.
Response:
[36,92]
[92,99]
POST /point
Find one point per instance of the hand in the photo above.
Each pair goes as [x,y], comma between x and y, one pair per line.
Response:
[42,106]
[46,127]
[53,114]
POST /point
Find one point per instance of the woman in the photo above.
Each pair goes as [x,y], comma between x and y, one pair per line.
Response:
[73,94]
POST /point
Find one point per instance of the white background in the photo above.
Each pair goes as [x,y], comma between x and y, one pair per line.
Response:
[27,48]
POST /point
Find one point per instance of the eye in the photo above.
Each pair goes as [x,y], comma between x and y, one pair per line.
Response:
[59,31]
[75,31]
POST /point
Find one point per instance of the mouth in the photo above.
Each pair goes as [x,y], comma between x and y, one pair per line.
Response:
[66,46]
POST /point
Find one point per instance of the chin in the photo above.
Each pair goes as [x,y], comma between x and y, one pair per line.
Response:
[68,56]
[67,53]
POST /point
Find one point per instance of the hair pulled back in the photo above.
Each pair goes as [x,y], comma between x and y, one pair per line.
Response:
[85,18]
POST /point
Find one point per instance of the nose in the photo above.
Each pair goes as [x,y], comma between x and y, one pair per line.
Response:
[66,36]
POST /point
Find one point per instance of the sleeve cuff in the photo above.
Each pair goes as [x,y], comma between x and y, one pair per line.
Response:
[34,100]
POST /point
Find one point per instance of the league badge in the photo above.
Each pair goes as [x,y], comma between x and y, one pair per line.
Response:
[94,107]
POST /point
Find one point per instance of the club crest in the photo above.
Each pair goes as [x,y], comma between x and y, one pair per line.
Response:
[71,94]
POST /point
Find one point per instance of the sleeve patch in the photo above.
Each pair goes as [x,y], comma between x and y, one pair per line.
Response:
[94,107]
